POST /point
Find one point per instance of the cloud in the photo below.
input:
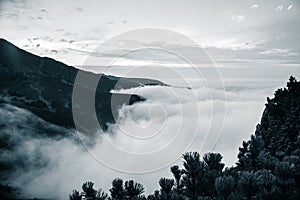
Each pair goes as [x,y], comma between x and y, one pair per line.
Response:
[20,21]
[148,136]
[279,8]
[238,18]
[231,44]
[279,52]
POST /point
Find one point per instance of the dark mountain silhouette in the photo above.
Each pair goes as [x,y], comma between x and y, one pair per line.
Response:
[44,86]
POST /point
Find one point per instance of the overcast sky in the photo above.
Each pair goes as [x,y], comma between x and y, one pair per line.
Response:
[234,29]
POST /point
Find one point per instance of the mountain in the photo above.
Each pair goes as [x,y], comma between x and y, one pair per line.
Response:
[44,86]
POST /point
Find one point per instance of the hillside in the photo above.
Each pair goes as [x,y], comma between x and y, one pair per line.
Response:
[44,86]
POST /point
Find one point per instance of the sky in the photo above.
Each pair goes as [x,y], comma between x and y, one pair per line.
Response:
[232,30]
[232,54]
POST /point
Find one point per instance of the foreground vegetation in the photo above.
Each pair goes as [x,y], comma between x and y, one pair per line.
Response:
[268,165]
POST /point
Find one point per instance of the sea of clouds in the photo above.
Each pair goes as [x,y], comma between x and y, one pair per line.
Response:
[146,140]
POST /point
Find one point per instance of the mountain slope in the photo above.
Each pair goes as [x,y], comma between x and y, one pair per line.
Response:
[44,86]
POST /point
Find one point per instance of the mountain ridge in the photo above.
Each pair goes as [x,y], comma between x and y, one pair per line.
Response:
[45,86]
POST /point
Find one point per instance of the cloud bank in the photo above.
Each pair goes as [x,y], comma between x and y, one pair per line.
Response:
[147,139]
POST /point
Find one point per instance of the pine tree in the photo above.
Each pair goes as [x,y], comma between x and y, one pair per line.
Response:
[166,186]
[213,161]
[247,185]
[224,186]
[193,177]
[266,183]
[75,195]
[284,172]
[133,190]
[155,196]
[89,193]
[177,173]
[213,170]
[101,195]
[117,191]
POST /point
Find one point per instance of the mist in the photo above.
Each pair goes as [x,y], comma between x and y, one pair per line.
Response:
[50,161]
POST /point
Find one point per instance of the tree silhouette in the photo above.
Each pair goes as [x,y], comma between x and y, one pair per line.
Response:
[247,185]
[213,161]
[212,171]
[266,182]
[292,84]
[117,191]
[133,190]
[155,196]
[224,186]
[193,174]
[166,186]
[266,161]
[101,195]
[177,173]
[243,161]
[285,180]
[89,193]
[75,195]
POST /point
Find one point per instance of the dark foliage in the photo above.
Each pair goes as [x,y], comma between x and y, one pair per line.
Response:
[117,191]
[75,195]
[133,190]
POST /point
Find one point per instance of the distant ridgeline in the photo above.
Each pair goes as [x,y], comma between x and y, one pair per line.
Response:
[44,86]
[268,166]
